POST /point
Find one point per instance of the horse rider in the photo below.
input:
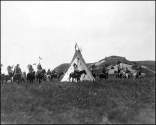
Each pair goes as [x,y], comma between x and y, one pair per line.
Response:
[75,68]
[10,72]
[48,72]
[17,69]
[39,67]
[29,68]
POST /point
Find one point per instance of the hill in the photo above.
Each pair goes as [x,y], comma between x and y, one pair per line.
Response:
[149,64]
[113,60]
[62,67]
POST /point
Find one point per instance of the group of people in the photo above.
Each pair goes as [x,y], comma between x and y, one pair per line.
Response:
[120,72]
[17,75]
[126,73]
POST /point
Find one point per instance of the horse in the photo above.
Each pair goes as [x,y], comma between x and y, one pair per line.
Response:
[2,78]
[5,78]
[53,75]
[17,77]
[30,76]
[103,75]
[76,75]
[40,75]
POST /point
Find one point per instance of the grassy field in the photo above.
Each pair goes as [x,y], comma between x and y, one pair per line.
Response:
[107,101]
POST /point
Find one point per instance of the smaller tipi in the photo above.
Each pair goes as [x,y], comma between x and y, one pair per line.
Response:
[81,65]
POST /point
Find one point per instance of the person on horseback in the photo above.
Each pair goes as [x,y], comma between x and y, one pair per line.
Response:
[17,73]
[75,68]
[30,68]
[10,71]
[40,74]
[48,72]
[31,74]
[17,69]
[39,67]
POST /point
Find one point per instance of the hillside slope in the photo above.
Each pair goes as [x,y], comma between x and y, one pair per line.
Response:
[149,64]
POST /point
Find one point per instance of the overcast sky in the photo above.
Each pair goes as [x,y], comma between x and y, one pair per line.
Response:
[49,29]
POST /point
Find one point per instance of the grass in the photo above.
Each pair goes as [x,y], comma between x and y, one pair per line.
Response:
[107,101]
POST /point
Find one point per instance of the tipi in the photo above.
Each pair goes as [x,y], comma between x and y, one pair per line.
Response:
[81,65]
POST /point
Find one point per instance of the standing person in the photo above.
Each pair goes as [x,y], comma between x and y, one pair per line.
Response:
[139,70]
[104,69]
[93,70]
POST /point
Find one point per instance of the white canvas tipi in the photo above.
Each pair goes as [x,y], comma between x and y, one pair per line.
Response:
[81,65]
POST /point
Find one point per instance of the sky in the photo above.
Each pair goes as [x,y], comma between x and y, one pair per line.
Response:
[50,29]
